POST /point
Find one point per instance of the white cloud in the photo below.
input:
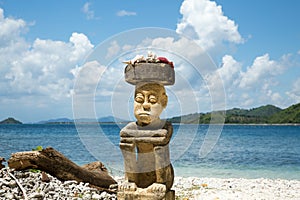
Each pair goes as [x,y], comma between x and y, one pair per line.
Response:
[40,72]
[81,46]
[10,29]
[12,44]
[294,94]
[123,13]
[259,84]
[275,97]
[222,82]
[262,70]
[36,76]
[45,67]
[87,77]
[113,50]
[40,69]
[86,9]
[230,71]
[204,21]
[179,46]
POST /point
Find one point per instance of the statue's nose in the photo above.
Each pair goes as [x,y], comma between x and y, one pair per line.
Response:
[146,106]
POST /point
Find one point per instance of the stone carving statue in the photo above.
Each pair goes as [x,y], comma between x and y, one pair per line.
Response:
[145,146]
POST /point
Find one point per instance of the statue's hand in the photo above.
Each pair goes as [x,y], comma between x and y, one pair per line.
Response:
[127,186]
[157,187]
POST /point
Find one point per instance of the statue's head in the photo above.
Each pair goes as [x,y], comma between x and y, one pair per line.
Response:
[150,99]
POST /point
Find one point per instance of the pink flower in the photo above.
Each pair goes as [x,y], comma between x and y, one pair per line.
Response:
[165,60]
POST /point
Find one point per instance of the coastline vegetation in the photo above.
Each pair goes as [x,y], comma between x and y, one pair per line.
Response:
[268,114]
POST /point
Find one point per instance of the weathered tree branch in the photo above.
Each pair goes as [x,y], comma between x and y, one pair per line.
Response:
[56,164]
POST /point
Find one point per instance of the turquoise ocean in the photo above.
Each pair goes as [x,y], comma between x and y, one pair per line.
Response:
[240,151]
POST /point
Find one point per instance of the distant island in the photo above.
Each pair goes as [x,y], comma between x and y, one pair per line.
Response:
[10,120]
[267,114]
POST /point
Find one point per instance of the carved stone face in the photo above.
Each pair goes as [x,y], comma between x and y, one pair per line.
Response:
[149,101]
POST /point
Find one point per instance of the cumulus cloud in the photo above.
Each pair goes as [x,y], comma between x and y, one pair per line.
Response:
[12,44]
[44,68]
[261,71]
[230,71]
[87,77]
[81,46]
[204,21]
[10,29]
[36,76]
[123,13]
[255,85]
[206,24]
[38,69]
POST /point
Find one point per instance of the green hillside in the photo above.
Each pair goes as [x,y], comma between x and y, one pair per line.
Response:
[288,115]
[253,116]
[267,114]
[264,111]
[187,119]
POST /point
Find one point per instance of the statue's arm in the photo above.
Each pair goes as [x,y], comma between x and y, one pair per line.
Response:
[150,140]
[143,133]
[157,137]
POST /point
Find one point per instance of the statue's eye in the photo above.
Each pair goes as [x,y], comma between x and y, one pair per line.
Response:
[139,98]
[152,99]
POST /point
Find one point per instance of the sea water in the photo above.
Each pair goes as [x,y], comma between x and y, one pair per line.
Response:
[240,151]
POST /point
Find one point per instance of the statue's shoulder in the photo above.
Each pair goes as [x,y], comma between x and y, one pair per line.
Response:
[130,126]
[167,125]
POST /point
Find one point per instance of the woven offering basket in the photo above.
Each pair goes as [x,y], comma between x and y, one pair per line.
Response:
[162,73]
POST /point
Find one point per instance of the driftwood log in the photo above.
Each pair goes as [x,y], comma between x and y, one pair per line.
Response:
[56,164]
[2,160]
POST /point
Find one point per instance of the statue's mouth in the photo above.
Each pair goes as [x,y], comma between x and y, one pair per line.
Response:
[143,114]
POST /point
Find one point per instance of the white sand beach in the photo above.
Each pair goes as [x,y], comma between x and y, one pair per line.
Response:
[190,188]
[193,188]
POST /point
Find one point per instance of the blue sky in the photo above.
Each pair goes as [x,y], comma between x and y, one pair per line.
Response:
[44,44]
